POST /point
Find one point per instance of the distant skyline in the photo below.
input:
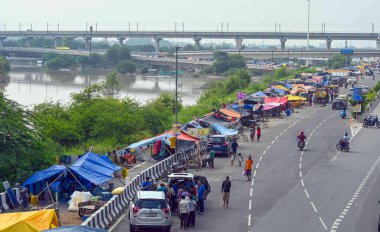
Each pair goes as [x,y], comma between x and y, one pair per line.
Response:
[247,15]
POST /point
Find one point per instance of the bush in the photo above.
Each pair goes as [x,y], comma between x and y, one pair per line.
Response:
[62,61]
[126,66]
[4,65]
[117,53]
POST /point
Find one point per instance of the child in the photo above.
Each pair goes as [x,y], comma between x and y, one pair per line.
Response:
[232,159]
[240,158]
[258,134]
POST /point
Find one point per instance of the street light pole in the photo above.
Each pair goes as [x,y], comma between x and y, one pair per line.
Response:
[91,28]
[308,29]
[176,84]
[241,107]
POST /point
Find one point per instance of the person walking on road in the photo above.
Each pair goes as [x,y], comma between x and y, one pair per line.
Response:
[232,159]
[211,158]
[184,212]
[201,197]
[258,134]
[192,207]
[226,188]
[248,167]
[234,146]
[252,132]
[240,159]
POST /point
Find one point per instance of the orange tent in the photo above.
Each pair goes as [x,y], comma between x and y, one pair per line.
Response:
[230,113]
[182,136]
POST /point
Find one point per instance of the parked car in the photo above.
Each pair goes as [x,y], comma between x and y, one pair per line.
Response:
[351,80]
[220,144]
[181,177]
[339,104]
[149,209]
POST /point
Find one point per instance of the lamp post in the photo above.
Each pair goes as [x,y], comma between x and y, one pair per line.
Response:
[91,28]
[241,107]
[176,84]
[308,29]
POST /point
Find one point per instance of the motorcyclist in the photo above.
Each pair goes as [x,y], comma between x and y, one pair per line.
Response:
[301,138]
[345,140]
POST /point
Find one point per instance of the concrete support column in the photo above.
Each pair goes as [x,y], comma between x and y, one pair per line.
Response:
[121,40]
[328,43]
[283,41]
[28,41]
[157,44]
[378,44]
[197,43]
[239,43]
[57,41]
[2,40]
[87,42]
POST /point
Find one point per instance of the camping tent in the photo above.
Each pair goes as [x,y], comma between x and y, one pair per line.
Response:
[31,221]
[90,169]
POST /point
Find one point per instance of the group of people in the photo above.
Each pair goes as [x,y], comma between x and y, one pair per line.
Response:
[184,197]
[253,132]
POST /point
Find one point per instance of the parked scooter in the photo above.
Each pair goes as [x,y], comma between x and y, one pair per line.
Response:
[372,120]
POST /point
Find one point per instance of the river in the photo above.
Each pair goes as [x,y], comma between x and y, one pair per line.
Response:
[33,86]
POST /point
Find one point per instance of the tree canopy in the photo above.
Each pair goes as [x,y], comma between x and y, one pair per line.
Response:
[126,66]
[4,65]
[117,53]
[223,62]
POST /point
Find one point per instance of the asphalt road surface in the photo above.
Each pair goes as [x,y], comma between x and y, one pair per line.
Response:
[320,189]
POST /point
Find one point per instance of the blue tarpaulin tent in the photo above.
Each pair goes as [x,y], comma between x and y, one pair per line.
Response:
[259,94]
[150,141]
[223,130]
[90,168]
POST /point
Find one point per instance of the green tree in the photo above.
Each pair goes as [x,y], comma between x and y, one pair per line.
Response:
[223,62]
[62,61]
[281,73]
[339,61]
[23,149]
[126,66]
[117,53]
[4,65]
[111,86]
[189,47]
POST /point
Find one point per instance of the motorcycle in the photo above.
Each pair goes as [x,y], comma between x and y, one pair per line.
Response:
[343,114]
[343,146]
[301,145]
[371,122]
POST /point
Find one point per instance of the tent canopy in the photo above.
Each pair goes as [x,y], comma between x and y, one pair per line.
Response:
[296,98]
[230,113]
[45,174]
[281,87]
[150,141]
[182,136]
[31,221]
[281,100]
[259,94]
[223,130]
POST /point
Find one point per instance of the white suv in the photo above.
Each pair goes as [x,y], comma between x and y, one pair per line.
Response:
[150,209]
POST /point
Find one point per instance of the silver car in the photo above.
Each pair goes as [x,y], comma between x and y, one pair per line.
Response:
[150,209]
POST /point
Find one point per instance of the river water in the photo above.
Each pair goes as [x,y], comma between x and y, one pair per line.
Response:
[33,86]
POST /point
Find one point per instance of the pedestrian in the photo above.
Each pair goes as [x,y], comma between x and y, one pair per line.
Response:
[240,159]
[252,132]
[201,197]
[258,134]
[211,158]
[232,159]
[226,187]
[192,207]
[248,167]
[164,189]
[184,212]
[234,146]
[146,185]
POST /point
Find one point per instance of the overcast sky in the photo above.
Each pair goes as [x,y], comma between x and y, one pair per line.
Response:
[253,15]
[343,15]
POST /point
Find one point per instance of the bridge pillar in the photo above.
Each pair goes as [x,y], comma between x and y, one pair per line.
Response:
[328,43]
[197,43]
[283,41]
[121,40]
[157,39]
[2,40]
[87,42]
[57,41]
[239,43]
[378,44]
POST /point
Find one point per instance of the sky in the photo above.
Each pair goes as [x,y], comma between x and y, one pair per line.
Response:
[240,15]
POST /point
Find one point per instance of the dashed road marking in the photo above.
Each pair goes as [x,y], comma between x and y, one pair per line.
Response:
[307,194]
[251,192]
[312,204]
[250,205]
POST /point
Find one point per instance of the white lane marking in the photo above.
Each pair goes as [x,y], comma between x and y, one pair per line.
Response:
[350,203]
[254,174]
[301,158]
[251,192]
[253,182]
[303,184]
[276,137]
[117,222]
[261,157]
[300,166]
[249,220]
[268,147]
[250,205]
[307,194]
[312,204]
[257,165]
[323,223]
[300,174]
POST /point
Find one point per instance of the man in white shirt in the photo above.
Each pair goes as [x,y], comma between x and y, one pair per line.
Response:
[184,211]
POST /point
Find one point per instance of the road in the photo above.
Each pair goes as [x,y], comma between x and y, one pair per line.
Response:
[319,189]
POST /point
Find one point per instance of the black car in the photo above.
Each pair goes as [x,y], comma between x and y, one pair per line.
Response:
[339,104]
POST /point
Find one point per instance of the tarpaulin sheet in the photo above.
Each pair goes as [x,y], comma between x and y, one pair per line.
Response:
[230,113]
[281,87]
[223,130]
[182,136]
[28,221]
[295,98]
[259,94]
[150,141]
[281,100]
[45,174]
[270,106]
[75,229]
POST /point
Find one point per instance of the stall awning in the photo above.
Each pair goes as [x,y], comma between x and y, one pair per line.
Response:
[281,87]
[182,136]
[295,98]
[45,174]
[32,221]
[271,106]
[281,100]
[259,94]
[223,130]
[230,113]
[150,141]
